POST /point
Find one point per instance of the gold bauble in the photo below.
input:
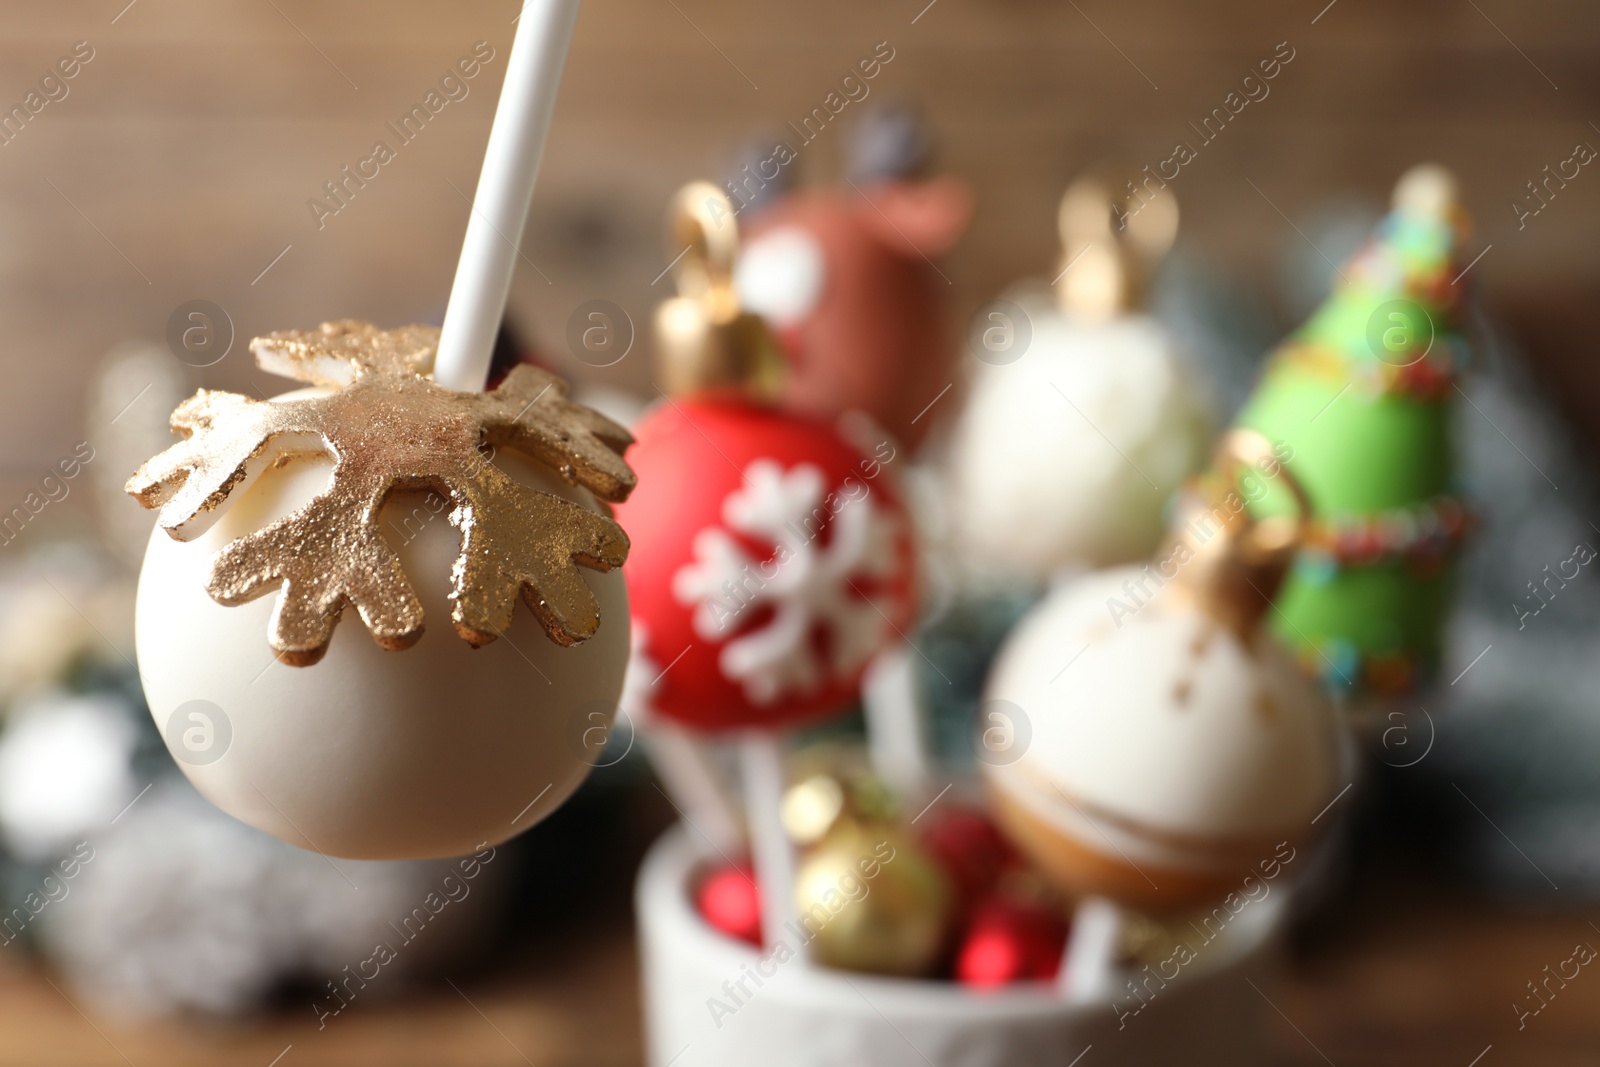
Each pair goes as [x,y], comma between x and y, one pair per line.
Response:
[834,784]
[869,899]
[812,808]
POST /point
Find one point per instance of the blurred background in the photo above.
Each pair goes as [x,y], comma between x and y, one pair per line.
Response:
[181,162]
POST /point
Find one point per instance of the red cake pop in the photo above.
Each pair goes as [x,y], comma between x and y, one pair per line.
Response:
[772,559]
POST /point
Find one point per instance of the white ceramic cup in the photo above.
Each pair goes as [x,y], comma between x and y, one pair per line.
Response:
[799,1015]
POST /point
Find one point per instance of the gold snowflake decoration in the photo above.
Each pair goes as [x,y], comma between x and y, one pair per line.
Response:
[391,429]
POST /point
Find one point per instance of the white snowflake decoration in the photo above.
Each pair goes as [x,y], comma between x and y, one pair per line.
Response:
[807,585]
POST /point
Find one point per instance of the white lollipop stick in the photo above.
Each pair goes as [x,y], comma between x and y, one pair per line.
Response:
[770,851]
[1091,952]
[896,734]
[505,189]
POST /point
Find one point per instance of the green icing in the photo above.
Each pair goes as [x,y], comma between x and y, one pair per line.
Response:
[1368,418]
[1354,453]
[1347,623]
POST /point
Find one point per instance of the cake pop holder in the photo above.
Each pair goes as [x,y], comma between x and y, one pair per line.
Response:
[801,1015]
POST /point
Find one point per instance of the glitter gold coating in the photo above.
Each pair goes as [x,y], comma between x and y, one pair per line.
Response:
[389,429]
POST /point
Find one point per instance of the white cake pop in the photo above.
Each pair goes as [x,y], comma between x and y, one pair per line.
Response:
[375,497]
[1163,745]
[1080,423]
[359,748]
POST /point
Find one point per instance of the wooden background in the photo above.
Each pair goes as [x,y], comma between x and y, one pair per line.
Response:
[181,163]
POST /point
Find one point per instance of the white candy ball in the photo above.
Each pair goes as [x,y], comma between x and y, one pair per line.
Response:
[429,752]
[1171,753]
[1065,458]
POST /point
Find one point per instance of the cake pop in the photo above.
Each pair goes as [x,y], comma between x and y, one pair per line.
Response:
[378,489]
[1161,744]
[773,557]
[369,492]
[1362,395]
[776,557]
[846,277]
[1092,387]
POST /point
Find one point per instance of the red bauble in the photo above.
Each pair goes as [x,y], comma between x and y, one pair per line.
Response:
[971,850]
[1011,940]
[729,901]
[770,561]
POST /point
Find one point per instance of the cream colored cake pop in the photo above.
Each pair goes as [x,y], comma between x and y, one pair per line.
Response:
[371,503]
[1164,745]
[397,493]
[1080,423]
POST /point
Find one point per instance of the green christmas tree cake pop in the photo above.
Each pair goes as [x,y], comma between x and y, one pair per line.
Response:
[1362,396]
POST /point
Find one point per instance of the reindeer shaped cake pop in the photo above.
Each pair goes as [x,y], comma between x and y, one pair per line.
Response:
[847,277]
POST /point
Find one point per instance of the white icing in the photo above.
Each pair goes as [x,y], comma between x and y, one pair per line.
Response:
[780,275]
[807,585]
[1168,723]
[428,752]
[1066,457]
